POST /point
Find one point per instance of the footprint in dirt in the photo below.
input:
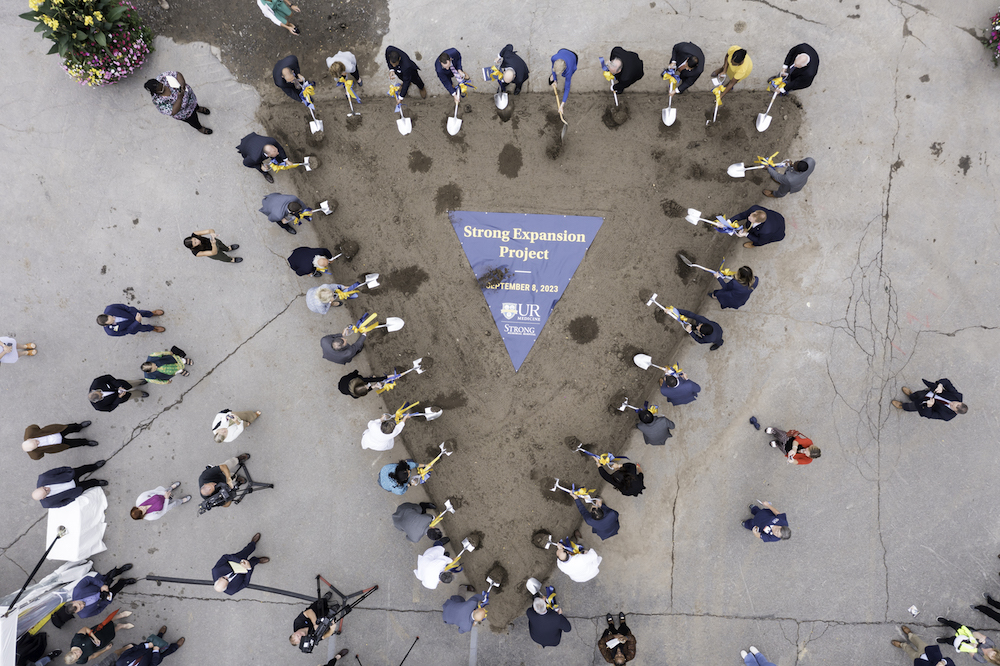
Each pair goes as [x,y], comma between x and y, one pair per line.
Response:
[615,116]
[583,329]
[420,162]
[672,209]
[510,160]
[449,197]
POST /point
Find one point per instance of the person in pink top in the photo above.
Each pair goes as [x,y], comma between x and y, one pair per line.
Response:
[152,504]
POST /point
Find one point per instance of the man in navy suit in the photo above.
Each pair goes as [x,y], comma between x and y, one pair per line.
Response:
[148,653]
[761,226]
[448,67]
[93,593]
[403,68]
[603,520]
[225,575]
[107,392]
[120,319]
[463,613]
[678,390]
[514,70]
[61,485]
[939,400]
[704,331]
[256,148]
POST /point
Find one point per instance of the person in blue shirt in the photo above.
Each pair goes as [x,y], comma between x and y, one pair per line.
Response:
[395,477]
[704,331]
[563,64]
[735,292]
[603,520]
[678,390]
[448,67]
[761,226]
[463,613]
[767,523]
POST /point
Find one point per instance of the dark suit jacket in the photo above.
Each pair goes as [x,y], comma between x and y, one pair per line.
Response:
[631,68]
[714,339]
[656,433]
[140,652]
[222,568]
[58,475]
[444,75]
[286,87]
[682,52]
[252,149]
[546,630]
[128,327]
[628,480]
[509,58]
[89,586]
[458,611]
[341,356]
[772,231]
[933,653]
[686,391]
[939,410]
[301,259]
[109,383]
[801,78]
[606,527]
[734,294]
[405,71]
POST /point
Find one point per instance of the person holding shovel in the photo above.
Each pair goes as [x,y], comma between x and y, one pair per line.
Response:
[448,67]
[514,71]
[735,292]
[687,62]
[737,66]
[626,478]
[173,97]
[283,210]
[314,261]
[800,68]
[287,77]
[760,226]
[356,386]
[678,389]
[381,433]
[336,348]
[704,331]
[792,179]
[625,66]
[655,429]
[563,64]
[463,613]
[258,151]
[344,63]
[401,67]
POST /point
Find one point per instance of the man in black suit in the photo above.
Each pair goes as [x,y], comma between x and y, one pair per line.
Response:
[800,68]
[514,71]
[405,70]
[313,261]
[287,77]
[233,570]
[256,148]
[106,392]
[626,67]
[148,653]
[688,61]
[120,319]
[61,485]
[704,331]
[939,400]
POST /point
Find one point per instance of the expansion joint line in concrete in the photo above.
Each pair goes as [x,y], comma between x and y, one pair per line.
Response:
[23,570]
[4,550]
[138,430]
[782,9]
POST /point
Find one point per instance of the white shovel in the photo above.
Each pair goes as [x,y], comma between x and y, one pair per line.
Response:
[739,169]
[652,301]
[431,413]
[669,114]
[454,124]
[764,120]
[694,217]
[716,82]
[371,281]
[325,207]
[404,125]
[625,406]
[645,362]
[500,99]
[391,324]
[315,125]
[351,102]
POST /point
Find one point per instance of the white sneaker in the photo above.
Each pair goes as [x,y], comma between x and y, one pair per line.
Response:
[769,430]
[754,650]
[743,653]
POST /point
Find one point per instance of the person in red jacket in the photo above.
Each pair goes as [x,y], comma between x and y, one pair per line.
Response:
[797,448]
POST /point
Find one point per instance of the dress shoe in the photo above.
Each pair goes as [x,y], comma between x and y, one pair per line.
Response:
[906,391]
[180,642]
[234,246]
[256,538]
[263,560]
[100,463]
[102,483]
[54,654]
[185,499]
[897,404]
[714,347]
[243,457]
[175,485]
[896,643]
[143,394]
[268,177]
[290,230]
[130,581]
[86,424]
[423,93]
[123,568]
[769,193]
[91,442]
[162,631]
[610,619]
[157,313]
[237,260]
[621,617]
[340,655]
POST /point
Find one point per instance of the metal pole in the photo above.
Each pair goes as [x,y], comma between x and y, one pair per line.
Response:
[59,534]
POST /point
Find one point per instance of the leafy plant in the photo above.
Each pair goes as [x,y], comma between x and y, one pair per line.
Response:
[991,39]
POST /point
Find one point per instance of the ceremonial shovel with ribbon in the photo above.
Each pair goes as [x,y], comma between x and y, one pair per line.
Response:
[671,312]
[721,223]
[369,322]
[403,124]
[605,459]
[740,169]
[467,546]
[608,76]
[448,508]
[348,86]
[669,114]
[576,493]
[424,471]
[652,409]
[306,95]
[389,382]
[723,273]
[718,87]
[429,413]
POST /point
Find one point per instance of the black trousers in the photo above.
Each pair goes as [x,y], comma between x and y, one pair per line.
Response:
[948,640]
[193,121]
[74,441]
[84,469]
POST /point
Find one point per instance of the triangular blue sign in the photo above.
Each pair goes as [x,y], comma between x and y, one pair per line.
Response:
[537,255]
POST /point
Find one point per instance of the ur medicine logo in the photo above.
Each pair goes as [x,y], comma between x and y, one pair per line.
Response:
[522,311]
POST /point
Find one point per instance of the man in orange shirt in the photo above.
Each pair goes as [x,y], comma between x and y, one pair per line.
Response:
[798,449]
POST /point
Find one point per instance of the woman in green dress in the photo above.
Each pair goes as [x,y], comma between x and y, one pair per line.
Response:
[279,11]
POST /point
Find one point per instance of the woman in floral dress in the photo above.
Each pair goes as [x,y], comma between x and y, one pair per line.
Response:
[174,97]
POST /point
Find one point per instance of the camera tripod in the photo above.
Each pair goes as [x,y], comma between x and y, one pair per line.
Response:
[237,493]
[338,611]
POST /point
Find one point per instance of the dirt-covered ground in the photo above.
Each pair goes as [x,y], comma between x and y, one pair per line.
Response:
[511,428]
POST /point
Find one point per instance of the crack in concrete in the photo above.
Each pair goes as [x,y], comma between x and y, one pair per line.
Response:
[23,570]
[673,531]
[3,551]
[782,9]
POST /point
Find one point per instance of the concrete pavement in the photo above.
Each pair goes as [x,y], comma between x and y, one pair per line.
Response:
[876,285]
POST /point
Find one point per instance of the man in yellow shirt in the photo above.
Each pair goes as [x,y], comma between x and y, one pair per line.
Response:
[737,67]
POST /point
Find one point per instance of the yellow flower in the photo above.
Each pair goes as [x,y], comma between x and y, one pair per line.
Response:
[51,22]
[33,5]
[57,2]
[97,15]
[88,20]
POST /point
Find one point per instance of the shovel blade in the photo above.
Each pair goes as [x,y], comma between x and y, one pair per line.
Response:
[501,100]
[737,170]
[371,280]
[454,125]
[316,126]
[562,135]
[404,126]
[668,116]
[393,324]
[430,413]
[763,121]
[642,360]
[694,215]
[685,259]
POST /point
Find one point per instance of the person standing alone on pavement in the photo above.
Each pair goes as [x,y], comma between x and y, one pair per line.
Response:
[210,246]
[939,400]
[767,523]
[52,439]
[173,97]
[617,646]
[796,447]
